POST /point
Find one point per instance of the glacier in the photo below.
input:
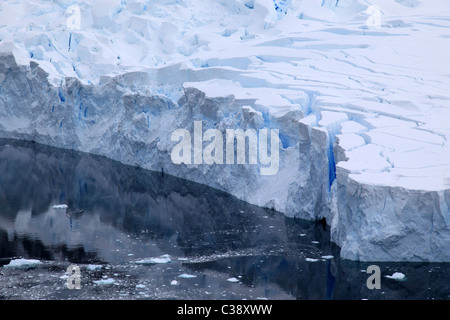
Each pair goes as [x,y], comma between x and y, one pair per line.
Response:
[362,110]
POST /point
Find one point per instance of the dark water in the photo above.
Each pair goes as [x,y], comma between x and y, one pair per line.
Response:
[118,215]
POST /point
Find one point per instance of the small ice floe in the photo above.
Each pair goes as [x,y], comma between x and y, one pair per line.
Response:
[187,276]
[162,259]
[315,242]
[182,259]
[311,260]
[22,263]
[302,234]
[397,276]
[327,257]
[141,286]
[104,282]
[60,206]
[233,279]
[94,267]
[174,283]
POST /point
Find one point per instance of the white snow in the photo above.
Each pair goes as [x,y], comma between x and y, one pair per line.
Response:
[22,263]
[233,279]
[362,109]
[397,276]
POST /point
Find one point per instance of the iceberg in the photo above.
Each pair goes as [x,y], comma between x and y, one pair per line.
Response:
[94,267]
[362,113]
[23,263]
[60,206]
[187,276]
[104,282]
[158,260]
[397,276]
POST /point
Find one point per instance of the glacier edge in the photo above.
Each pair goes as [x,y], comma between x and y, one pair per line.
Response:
[121,119]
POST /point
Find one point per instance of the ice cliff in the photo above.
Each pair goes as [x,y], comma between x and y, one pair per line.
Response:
[361,108]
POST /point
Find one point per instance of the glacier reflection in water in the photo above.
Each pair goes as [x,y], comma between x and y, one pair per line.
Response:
[118,214]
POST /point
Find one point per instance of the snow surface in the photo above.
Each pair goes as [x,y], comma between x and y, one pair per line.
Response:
[362,109]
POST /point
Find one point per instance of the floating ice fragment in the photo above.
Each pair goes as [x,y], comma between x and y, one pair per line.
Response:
[162,259]
[328,257]
[174,283]
[104,282]
[397,276]
[22,263]
[60,206]
[233,279]
[311,260]
[94,267]
[187,276]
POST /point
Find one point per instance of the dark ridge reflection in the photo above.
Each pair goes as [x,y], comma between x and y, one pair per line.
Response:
[109,202]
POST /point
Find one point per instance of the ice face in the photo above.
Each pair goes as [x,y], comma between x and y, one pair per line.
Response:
[361,110]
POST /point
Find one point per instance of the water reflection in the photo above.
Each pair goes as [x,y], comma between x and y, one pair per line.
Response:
[116,214]
[110,206]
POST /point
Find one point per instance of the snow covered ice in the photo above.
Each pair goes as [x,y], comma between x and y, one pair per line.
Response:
[362,110]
